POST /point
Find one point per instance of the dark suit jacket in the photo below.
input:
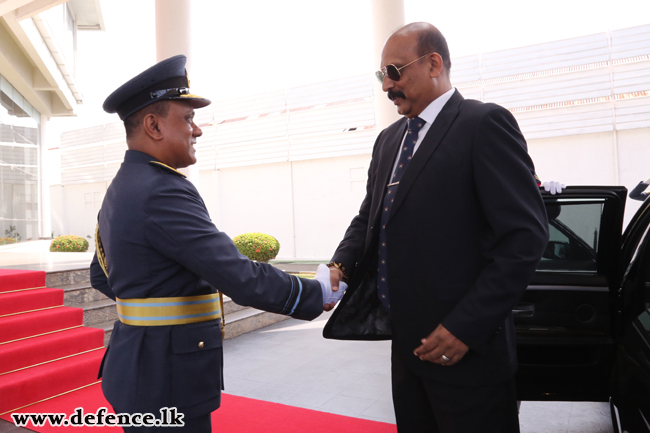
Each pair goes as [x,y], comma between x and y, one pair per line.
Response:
[464,235]
[160,242]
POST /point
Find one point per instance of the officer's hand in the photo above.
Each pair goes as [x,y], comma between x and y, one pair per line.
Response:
[441,342]
[554,187]
[330,297]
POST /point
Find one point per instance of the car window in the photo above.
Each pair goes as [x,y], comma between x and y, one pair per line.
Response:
[574,228]
[644,319]
[636,282]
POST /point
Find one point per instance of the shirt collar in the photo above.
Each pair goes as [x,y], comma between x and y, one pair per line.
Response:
[430,113]
[137,157]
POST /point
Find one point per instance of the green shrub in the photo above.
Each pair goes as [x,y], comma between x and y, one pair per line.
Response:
[7,241]
[69,244]
[257,246]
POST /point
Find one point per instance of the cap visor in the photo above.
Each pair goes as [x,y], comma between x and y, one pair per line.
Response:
[196,101]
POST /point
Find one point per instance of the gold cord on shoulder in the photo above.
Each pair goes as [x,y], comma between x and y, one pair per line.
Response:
[101,257]
[166,166]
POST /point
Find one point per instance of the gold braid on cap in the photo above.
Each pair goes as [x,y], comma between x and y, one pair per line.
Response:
[101,257]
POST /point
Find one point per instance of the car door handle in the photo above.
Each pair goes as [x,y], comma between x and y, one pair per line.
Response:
[523,310]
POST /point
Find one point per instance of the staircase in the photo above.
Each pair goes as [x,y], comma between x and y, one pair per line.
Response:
[45,350]
[100,312]
[52,339]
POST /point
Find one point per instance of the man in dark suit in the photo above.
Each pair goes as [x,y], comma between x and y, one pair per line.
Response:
[165,263]
[444,245]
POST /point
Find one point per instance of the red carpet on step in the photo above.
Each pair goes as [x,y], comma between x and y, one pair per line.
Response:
[13,279]
[236,415]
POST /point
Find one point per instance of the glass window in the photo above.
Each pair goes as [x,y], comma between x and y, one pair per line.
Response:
[19,167]
[574,228]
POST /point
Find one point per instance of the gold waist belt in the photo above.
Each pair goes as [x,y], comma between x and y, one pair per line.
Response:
[169,311]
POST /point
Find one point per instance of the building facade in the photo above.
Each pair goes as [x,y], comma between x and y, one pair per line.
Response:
[293,163]
[37,82]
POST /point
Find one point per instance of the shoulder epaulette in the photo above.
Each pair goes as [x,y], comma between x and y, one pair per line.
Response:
[167,168]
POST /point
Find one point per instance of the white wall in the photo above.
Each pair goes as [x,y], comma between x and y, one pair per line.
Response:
[75,208]
[575,159]
[257,199]
[327,195]
[293,163]
[306,205]
[590,159]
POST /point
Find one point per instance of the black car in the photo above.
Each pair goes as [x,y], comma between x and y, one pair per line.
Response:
[583,325]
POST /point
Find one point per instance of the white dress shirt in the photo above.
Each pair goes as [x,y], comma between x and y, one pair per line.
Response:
[429,114]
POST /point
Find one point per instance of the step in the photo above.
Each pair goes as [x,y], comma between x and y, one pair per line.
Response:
[106,327]
[239,322]
[229,306]
[66,278]
[98,311]
[29,300]
[80,293]
[26,325]
[14,279]
[29,386]
[248,320]
[46,348]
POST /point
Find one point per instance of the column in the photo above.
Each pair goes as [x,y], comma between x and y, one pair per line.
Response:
[387,16]
[44,189]
[174,36]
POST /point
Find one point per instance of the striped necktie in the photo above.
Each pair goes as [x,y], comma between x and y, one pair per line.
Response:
[405,155]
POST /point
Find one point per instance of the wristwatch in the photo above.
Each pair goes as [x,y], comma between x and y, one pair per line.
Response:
[340,267]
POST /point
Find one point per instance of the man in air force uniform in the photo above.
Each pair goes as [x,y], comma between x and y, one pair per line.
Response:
[164,262]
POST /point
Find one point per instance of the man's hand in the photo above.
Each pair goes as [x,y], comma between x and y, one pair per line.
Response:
[336,277]
[441,347]
[332,286]
[554,187]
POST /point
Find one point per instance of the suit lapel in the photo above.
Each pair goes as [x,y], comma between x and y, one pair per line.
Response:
[392,143]
[431,141]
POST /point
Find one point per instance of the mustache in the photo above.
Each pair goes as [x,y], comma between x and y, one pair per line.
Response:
[392,94]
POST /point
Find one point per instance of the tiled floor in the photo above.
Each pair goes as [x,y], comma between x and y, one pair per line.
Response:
[291,363]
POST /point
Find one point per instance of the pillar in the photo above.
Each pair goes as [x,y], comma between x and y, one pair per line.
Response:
[387,16]
[174,36]
[45,206]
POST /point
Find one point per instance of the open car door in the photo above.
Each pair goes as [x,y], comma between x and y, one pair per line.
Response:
[630,384]
[583,325]
[565,320]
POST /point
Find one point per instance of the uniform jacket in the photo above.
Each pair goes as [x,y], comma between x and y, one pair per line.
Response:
[465,233]
[159,241]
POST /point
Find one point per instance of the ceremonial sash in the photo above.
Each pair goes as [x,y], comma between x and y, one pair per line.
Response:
[169,311]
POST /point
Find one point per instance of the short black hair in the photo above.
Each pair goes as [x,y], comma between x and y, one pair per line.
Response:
[134,121]
[432,41]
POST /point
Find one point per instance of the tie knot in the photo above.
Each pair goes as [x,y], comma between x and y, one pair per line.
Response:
[415,124]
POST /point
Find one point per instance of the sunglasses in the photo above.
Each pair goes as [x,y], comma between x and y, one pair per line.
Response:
[392,71]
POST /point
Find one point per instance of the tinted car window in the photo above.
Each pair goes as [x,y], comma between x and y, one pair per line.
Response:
[574,228]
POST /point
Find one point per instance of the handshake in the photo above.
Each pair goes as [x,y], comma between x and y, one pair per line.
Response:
[330,297]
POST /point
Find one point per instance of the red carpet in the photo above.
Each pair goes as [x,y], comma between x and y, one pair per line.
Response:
[49,364]
[236,415]
[44,348]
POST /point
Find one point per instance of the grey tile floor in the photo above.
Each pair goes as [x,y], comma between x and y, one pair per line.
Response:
[291,363]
